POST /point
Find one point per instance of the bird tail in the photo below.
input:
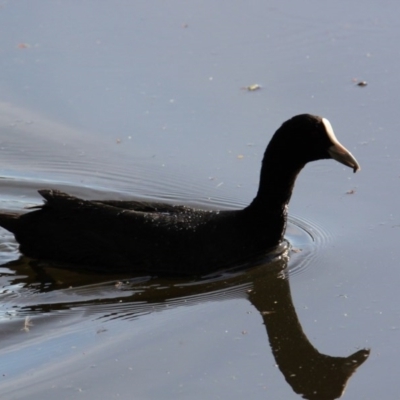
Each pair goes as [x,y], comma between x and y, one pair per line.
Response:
[9,221]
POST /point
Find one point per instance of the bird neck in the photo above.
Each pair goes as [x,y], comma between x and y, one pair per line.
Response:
[277,180]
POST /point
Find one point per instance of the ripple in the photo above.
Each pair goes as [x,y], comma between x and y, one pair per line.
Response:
[27,291]
[307,238]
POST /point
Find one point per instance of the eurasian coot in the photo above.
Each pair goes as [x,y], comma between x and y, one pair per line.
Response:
[169,239]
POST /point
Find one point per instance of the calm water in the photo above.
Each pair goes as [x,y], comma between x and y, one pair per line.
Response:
[139,99]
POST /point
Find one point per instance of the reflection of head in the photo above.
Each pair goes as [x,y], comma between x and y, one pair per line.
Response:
[323,377]
[314,375]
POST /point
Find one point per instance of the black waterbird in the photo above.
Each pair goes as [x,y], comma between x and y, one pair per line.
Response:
[169,239]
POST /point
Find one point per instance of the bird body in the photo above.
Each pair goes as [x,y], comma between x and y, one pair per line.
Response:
[160,238]
[132,236]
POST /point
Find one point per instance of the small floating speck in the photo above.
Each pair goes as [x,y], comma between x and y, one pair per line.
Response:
[252,88]
[351,191]
[267,312]
[27,324]
[240,156]
[23,46]
[362,83]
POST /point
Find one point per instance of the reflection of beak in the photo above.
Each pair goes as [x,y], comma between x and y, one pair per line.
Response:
[342,155]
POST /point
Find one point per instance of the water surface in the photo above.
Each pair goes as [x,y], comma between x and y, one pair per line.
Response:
[146,100]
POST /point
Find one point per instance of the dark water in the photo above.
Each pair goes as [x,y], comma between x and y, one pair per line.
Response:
[145,99]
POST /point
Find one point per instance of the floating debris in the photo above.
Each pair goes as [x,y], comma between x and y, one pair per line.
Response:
[252,88]
[23,45]
[361,83]
[240,156]
[27,324]
[352,191]
[267,312]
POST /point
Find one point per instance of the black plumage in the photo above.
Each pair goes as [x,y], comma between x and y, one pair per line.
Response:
[168,239]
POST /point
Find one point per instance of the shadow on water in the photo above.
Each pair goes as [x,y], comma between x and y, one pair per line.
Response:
[48,290]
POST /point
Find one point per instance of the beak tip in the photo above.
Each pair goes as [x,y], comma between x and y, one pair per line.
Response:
[342,155]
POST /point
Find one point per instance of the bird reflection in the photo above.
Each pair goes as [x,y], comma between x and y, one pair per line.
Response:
[309,373]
